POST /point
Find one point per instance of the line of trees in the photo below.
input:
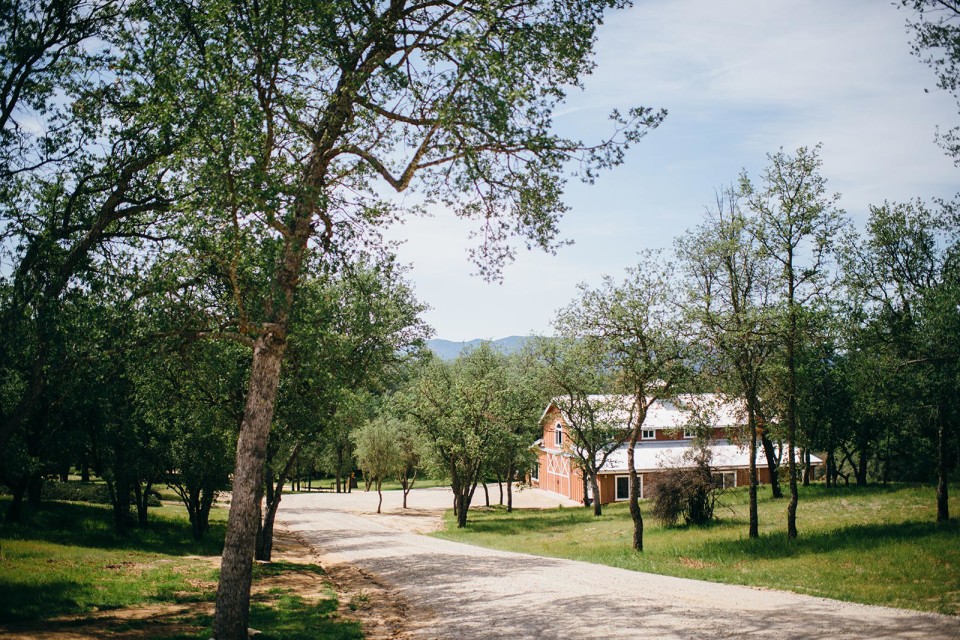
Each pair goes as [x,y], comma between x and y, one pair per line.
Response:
[175,171]
[838,342]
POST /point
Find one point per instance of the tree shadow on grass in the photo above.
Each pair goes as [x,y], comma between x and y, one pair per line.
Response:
[291,618]
[538,520]
[860,537]
[21,602]
[87,525]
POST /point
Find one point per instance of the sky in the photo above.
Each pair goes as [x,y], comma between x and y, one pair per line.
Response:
[740,79]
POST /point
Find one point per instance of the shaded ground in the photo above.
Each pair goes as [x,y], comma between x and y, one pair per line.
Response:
[452,590]
[171,620]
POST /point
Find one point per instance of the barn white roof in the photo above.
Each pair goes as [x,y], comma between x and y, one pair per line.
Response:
[653,456]
[716,409]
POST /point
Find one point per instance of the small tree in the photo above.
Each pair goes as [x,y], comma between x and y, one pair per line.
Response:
[637,323]
[410,446]
[377,452]
[795,223]
[576,370]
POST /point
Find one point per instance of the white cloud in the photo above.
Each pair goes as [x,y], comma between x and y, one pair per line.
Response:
[741,79]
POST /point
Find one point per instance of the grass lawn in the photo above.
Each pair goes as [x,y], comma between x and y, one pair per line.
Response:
[876,545]
[65,560]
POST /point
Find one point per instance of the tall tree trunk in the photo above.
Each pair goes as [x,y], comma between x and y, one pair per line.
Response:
[792,410]
[500,487]
[264,550]
[121,504]
[510,473]
[806,466]
[339,468]
[633,497]
[860,471]
[828,476]
[15,508]
[142,496]
[486,494]
[597,511]
[585,480]
[35,488]
[379,494]
[233,591]
[754,527]
[772,465]
[943,507]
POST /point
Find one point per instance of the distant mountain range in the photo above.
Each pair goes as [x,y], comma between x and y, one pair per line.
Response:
[449,350]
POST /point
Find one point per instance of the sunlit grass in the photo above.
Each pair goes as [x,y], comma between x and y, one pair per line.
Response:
[877,545]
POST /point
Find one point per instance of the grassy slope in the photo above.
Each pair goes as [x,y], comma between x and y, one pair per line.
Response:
[66,560]
[876,545]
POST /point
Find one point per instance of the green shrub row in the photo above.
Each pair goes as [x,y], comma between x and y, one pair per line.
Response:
[94,493]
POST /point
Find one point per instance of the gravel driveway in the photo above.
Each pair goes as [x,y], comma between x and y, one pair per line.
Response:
[454,590]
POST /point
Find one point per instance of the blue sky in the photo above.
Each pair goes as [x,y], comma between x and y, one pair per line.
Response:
[740,78]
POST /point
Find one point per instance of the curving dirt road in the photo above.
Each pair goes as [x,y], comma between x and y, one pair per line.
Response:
[454,590]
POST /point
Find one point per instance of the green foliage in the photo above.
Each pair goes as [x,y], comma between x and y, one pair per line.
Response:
[474,413]
[376,448]
[936,30]
[93,493]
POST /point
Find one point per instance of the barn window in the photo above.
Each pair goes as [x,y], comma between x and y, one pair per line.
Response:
[648,434]
[689,433]
[623,487]
[558,435]
[728,479]
[535,472]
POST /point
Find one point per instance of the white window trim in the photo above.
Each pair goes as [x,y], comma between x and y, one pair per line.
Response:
[724,473]
[689,434]
[535,471]
[558,435]
[644,432]
[616,497]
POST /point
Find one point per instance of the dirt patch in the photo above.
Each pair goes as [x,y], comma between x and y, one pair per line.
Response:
[363,596]
[696,563]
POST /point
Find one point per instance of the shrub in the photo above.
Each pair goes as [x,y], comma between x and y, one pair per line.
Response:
[94,493]
[689,493]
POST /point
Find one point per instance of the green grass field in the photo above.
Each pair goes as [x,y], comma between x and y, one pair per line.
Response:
[66,560]
[876,545]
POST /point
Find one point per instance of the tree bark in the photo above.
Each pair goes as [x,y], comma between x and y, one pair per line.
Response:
[943,506]
[754,527]
[264,549]
[15,508]
[35,488]
[634,494]
[772,465]
[233,591]
[142,496]
[585,480]
[597,510]
[379,494]
[510,472]
[486,494]
[792,407]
